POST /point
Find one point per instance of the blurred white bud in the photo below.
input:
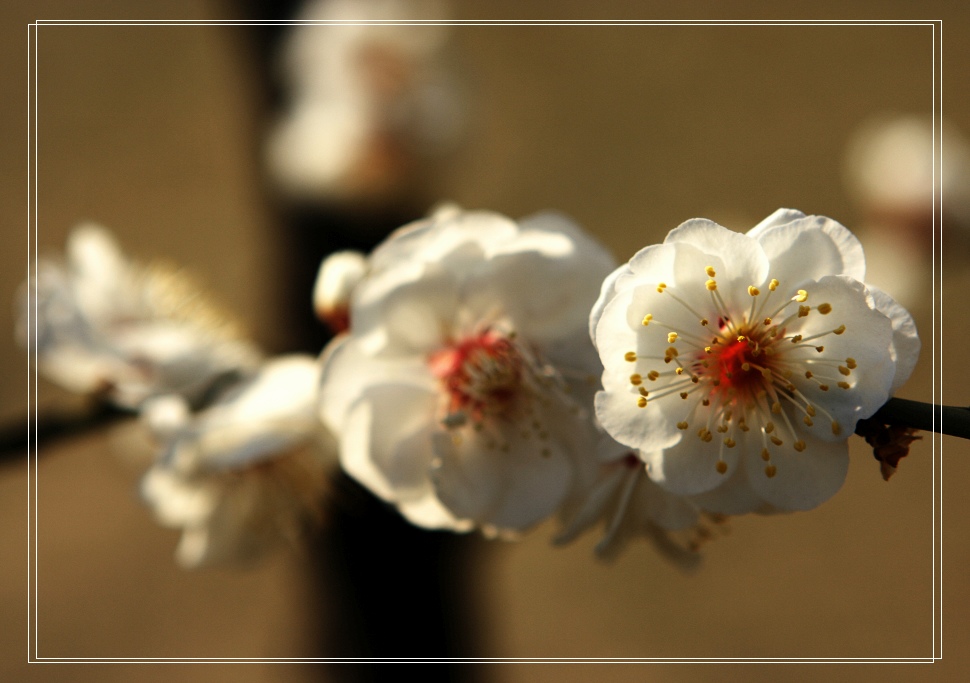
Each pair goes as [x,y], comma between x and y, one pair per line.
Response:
[339,274]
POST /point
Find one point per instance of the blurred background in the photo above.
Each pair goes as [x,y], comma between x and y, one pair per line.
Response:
[161,134]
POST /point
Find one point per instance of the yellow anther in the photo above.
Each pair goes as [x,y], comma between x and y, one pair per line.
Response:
[844,370]
[641,402]
[803,311]
[808,374]
[769,427]
[741,337]
[839,330]
[705,402]
[661,286]
[765,455]
[679,371]
[845,385]
[770,471]
[799,446]
[776,408]
[682,425]
[766,322]
[753,291]
[684,395]
[824,309]
[766,373]
[801,296]
[636,380]
[672,352]
[708,349]
[775,440]
[823,387]
[630,356]
[643,391]
[695,379]
[671,337]
[773,285]
[646,319]
[711,285]
[808,421]
[710,271]
[729,442]
[721,466]
[653,375]
[746,366]
[708,437]
[836,428]
[705,322]
[810,409]
[722,428]
[797,338]
[850,362]
[820,349]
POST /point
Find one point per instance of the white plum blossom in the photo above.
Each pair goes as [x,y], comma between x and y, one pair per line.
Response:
[739,364]
[246,473]
[370,96]
[104,324]
[460,392]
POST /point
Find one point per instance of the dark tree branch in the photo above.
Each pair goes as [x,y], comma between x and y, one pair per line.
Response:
[951,420]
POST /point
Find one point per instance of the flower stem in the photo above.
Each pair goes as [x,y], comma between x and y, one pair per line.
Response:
[952,420]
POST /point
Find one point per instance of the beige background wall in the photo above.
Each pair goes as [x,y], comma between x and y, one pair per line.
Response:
[154,132]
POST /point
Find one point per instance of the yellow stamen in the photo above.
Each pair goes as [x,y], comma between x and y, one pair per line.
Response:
[773,285]
[721,466]
[641,402]
[630,356]
[825,309]
[710,271]
[671,337]
[801,296]
[711,285]
[753,291]
[770,471]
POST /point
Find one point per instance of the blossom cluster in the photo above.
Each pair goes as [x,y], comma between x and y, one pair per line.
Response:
[490,374]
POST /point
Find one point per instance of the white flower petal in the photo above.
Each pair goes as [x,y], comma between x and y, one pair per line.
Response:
[390,457]
[802,481]
[810,248]
[690,467]
[906,343]
[509,489]
[779,217]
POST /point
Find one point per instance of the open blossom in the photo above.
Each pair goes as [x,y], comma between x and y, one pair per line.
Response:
[739,364]
[246,473]
[460,391]
[106,324]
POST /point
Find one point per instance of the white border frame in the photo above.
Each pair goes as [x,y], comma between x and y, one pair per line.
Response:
[936,347]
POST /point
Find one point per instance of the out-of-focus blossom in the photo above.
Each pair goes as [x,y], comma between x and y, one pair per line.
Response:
[630,505]
[339,274]
[370,98]
[245,474]
[460,392]
[103,324]
[895,167]
[738,365]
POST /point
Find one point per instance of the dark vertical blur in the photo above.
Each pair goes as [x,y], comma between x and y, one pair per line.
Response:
[383,587]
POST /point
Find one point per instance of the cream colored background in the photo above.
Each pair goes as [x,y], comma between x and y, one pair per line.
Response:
[154,131]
